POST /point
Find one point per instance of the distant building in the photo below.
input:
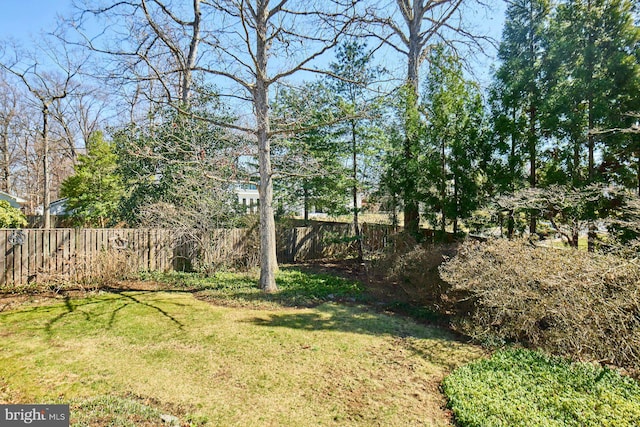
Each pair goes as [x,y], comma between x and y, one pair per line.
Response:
[14,201]
[57,208]
[248,196]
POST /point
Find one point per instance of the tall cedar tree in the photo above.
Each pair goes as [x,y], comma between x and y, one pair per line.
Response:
[519,80]
[453,140]
[415,27]
[592,71]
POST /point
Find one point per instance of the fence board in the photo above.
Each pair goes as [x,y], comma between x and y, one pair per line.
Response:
[68,253]
[32,268]
[9,256]
[24,260]
[3,259]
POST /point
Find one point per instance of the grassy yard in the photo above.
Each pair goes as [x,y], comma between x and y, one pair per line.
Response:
[218,352]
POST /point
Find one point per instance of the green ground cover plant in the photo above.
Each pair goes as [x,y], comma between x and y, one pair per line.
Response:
[296,288]
[126,357]
[526,388]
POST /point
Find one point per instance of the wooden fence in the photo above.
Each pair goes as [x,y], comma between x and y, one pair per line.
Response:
[72,254]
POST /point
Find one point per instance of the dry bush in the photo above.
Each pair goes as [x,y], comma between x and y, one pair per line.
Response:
[568,302]
[414,268]
[92,271]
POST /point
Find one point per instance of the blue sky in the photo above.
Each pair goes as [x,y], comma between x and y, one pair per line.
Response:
[23,20]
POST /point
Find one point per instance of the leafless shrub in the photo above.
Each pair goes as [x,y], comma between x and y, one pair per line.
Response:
[90,271]
[565,301]
[201,226]
[414,268]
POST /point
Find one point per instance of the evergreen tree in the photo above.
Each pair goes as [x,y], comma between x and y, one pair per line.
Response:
[352,76]
[454,140]
[593,72]
[94,191]
[518,95]
[11,217]
[309,159]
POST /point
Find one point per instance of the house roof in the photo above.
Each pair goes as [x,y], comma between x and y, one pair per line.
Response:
[15,201]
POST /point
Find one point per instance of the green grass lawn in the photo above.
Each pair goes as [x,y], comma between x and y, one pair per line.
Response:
[218,352]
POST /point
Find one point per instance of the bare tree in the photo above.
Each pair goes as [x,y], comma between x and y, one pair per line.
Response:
[238,41]
[9,124]
[46,86]
[150,47]
[78,116]
[27,173]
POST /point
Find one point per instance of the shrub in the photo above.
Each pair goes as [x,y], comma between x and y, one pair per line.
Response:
[414,268]
[565,301]
[11,217]
[88,272]
[526,388]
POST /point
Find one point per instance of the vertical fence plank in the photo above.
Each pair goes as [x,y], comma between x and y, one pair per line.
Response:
[46,251]
[3,257]
[144,248]
[55,245]
[32,251]
[8,258]
[24,258]
[153,249]
[66,252]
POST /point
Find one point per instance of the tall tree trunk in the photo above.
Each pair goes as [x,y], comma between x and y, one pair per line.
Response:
[268,257]
[533,179]
[591,143]
[638,172]
[591,235]
[575,173]
[46,199]
[187,76]
[512,173]
[532,139]
[411,206]
[6,162]
[356,224]
[443,187]
[455,205]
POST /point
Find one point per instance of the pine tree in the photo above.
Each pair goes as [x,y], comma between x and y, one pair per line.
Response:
[454,140]
[353,74]
[95,189]
[518,92]
[310,160]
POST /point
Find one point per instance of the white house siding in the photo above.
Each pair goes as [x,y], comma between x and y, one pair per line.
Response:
[248,196]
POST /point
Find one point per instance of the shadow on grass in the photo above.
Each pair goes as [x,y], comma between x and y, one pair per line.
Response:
[297,289]
[95,309]
[432,343]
